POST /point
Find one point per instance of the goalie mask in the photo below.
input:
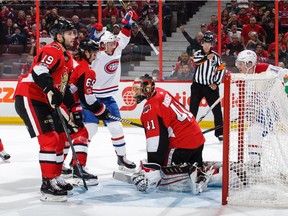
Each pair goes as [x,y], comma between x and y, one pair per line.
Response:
[246,60]
[143,88]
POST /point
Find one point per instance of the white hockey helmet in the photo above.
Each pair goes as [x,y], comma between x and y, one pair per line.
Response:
[247,56]
[107,37]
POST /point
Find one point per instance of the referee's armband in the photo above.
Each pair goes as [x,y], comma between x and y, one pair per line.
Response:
[221,67]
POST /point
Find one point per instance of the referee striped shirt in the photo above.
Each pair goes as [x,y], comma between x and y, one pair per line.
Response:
[208,71]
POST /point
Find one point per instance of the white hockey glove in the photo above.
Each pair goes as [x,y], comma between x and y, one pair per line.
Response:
[148,178]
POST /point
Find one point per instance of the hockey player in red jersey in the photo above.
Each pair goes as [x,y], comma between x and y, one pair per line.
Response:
[80,84]
[173,137]
[3,154]
[36,96]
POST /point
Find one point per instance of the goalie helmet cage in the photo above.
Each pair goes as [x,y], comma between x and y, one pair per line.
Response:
[255,126]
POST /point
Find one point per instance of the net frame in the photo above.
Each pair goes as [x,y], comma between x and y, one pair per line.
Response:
[242,183]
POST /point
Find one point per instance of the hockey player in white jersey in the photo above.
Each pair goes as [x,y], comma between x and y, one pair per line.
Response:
[108,72]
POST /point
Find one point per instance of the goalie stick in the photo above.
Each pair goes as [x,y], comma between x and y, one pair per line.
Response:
[142,32]
[71,145]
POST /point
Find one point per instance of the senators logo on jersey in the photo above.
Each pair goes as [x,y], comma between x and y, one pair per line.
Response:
[111,66]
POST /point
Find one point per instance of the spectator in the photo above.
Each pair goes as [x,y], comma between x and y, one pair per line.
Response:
[93,21]
[262,55]
[203,28]
[17,37]
[110,10]
[186,73]
[195,43]
[234,47]
[213,25]
[156,75]
[138,42]
[8,29]
[252,26]
[270,31]
[183,60]
[225,17]
[43,25]
[242,17]
[233,9]
[21,19]
[5,13]
[76,22]
[234,31]
[251,44]
[51,16]
[233,20]
[116,29]
[151,20]
[113,21]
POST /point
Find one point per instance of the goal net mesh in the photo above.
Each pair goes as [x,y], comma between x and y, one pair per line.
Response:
[258,141]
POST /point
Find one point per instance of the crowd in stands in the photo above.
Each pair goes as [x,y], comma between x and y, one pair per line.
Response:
[245,25]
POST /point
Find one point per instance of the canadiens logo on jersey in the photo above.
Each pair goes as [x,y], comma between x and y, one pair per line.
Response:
[147,108]
[111,66]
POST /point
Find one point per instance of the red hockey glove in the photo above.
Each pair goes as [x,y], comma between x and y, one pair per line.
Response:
[76,115]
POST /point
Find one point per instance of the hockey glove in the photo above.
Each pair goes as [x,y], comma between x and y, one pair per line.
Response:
[103,113]
[76,115]
[130,18]
[54,97]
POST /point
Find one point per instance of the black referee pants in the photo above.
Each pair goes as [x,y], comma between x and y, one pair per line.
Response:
[198,91]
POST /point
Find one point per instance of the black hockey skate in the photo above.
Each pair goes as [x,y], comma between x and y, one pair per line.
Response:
[90,179]
[63,184]
[51,192]
[4,155]
[124,164]
[66,172]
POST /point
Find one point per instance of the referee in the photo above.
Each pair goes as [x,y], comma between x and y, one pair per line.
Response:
[208,76]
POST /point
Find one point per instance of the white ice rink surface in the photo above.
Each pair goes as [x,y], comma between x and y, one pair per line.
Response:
[20,182]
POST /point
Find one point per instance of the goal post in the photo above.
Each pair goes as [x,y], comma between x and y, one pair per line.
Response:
[255,145]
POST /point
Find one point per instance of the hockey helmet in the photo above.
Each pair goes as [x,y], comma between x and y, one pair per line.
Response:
[89,45]
[143,88]
[60,26]
[247,56]
[208,37]
[107,37]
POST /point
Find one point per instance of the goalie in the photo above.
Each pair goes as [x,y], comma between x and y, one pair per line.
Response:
[174,142]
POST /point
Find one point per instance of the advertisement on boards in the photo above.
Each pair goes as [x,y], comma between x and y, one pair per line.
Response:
[128,107]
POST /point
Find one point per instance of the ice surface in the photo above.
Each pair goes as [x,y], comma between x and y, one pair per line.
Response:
[20,182]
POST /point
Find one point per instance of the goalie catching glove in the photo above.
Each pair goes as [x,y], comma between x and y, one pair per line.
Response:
[148,178]
[130,18]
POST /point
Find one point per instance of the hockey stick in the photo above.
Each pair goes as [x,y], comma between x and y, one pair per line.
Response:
[71,145]
[212,129]
[209,110]
[124,121]
[142,32]
[122,177]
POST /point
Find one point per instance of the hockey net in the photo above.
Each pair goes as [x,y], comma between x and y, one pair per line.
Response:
[255,147]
